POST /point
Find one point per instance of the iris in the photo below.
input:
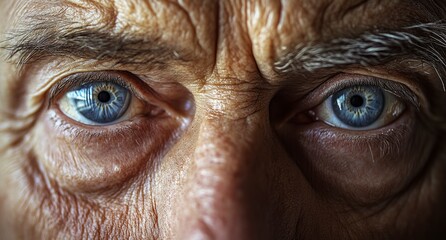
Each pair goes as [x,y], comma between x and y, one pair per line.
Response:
[358,106]
[102,102]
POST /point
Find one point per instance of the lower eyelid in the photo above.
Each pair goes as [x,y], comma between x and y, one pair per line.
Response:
[142,110]
[326,133]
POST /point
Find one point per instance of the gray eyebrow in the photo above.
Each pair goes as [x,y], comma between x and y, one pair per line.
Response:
[49,36]
[424,41]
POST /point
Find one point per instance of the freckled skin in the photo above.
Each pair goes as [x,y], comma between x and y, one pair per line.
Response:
[226,168]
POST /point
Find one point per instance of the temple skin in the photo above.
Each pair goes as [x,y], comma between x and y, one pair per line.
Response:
[212,148]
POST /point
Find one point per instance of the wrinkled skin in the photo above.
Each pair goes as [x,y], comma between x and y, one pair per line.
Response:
[220,158]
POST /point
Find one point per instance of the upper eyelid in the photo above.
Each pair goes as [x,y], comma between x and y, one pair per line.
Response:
[398,89]
[344,80]
[79,79]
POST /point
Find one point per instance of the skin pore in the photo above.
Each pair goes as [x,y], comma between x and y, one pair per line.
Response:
[224,137]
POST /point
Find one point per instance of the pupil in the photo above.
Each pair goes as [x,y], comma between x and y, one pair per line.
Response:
[104,97]
[356,101]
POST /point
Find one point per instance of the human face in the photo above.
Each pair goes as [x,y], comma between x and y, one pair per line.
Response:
[229,119]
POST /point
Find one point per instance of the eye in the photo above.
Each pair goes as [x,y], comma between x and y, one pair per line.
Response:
[96,103]
[360,107]
[89,114]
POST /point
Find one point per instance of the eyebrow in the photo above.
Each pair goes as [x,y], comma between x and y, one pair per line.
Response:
[50,36]
[46,38]
[426,42]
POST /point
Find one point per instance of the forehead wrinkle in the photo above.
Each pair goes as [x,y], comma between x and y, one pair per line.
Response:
[94,12]
[320,15]
[316,18]
[64,24]
[366,48]
[345,18]
[57,15]
[45,18]
[83,12]
[297,24]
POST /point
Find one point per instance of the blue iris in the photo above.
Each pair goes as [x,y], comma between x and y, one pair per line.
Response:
[358,106]
[102,102]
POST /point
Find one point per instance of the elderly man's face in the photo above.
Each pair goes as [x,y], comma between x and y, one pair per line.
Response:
[304,119]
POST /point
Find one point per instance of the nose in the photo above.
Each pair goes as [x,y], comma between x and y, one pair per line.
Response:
[226,190]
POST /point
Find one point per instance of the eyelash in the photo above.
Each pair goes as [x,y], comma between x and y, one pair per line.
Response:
[145,103]
[342,81]
[305,108]
[399,90]
[80,79]
[312,100]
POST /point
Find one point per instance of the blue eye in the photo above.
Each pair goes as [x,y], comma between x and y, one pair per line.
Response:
[97,103]
[358,106]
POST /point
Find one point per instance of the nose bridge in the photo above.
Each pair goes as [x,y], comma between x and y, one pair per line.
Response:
[223,178]
[227,150]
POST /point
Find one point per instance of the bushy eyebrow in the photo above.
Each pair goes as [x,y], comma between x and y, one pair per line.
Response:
[50,36]
[426,42]
[55,38]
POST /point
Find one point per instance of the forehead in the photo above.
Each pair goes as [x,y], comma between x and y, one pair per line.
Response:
[312,18]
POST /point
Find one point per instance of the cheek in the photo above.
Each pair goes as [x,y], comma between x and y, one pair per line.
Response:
[41,209]
[362,169]
[83,159]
